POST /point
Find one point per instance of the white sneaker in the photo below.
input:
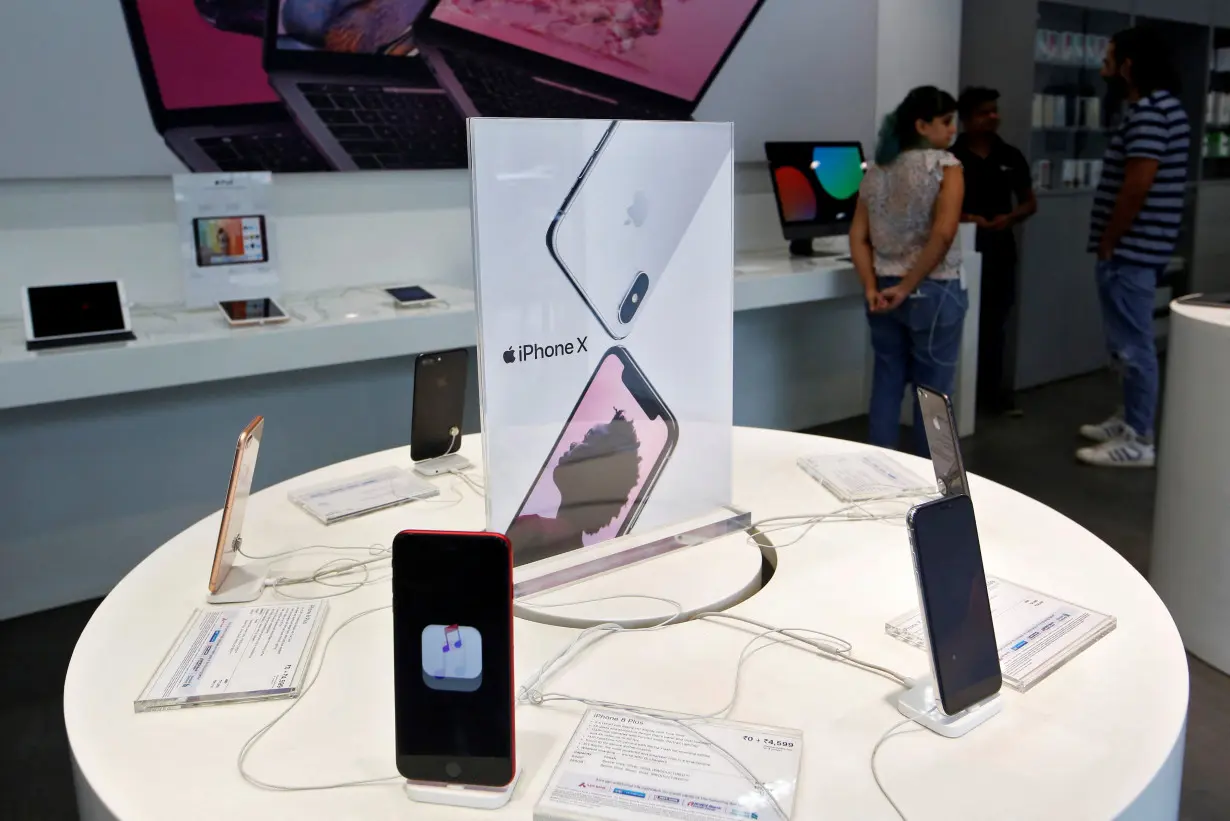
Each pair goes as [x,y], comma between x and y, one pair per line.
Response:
[1125,451]
[1112,428]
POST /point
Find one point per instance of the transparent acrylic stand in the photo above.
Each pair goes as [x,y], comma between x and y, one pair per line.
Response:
[462,795]
[452,463]
[637,547]
[921,703]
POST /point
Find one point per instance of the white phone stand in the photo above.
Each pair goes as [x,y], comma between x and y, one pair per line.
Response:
[243,583]
[921,704]
[450,463]
[462,795]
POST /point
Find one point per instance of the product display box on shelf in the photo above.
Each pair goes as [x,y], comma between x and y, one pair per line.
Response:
[604,264]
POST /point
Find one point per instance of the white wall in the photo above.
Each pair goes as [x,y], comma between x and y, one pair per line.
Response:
[918,44]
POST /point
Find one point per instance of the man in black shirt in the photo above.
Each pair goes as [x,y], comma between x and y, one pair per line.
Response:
[995,175]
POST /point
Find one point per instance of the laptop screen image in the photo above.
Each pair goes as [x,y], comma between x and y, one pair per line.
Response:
[197,63]
[670,46]
[348,27]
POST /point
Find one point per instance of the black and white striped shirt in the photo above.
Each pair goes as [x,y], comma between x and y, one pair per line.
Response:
[1155,128]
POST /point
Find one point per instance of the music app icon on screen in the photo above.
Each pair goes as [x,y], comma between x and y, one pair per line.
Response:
[452,657]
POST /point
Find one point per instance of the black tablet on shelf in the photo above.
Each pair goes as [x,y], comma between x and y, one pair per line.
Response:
[81,314]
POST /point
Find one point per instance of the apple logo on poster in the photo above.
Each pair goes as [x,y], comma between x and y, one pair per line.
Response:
[509,356]
[638,211]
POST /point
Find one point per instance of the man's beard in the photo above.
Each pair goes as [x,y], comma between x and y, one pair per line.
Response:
[1116,89]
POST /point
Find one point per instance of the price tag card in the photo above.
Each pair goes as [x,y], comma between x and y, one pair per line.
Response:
[237,654]
[625,767]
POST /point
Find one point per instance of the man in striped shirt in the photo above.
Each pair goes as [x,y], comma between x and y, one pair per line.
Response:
[1136,216]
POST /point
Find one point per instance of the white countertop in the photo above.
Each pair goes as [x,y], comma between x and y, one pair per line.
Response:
[179,347]
[1202,313]
[1101,738]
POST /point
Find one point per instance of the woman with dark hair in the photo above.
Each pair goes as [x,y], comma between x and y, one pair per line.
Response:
[909,210]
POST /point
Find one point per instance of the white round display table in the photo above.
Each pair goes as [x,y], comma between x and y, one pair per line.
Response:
[1190,567]
[1101,738]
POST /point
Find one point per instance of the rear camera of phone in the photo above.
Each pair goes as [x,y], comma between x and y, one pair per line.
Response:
[636,295]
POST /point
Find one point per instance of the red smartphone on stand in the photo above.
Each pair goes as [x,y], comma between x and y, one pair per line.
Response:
[453,658]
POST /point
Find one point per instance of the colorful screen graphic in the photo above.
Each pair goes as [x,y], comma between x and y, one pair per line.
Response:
[202,61]
[230,241]
[452,657]
[610,447]
[816,183]
[670,46]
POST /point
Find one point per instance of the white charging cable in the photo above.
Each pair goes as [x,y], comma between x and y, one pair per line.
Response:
[251,743]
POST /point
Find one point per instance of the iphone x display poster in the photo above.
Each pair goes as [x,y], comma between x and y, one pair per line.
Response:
[605,261]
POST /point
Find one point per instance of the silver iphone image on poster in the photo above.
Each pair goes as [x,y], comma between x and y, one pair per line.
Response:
[630,207]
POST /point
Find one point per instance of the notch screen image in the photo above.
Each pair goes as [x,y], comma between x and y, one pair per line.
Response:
[230,241]
[602,468]
[66,310]
[452,657]
[816,182]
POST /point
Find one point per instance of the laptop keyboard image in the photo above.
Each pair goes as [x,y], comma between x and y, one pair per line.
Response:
[391,127]
[499,90]
[276,151]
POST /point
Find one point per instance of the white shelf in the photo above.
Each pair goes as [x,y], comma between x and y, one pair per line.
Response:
[177,347]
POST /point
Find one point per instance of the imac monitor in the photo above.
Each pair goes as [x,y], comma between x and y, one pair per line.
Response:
[816,187]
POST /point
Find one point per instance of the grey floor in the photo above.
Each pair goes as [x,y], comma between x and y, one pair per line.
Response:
[1032,454]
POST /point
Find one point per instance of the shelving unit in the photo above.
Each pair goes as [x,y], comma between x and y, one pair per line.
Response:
[1215,143]
[1057,329]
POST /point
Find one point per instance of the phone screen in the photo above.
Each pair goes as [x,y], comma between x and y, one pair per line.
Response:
[410,293]
[241,310]
[230,241]
[942,441]
[439,403]
[452,648]
[955,602]
[602,468]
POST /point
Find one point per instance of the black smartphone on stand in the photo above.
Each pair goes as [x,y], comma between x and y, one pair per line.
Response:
[439,403]
[955,605]
[453,658]
[940,422]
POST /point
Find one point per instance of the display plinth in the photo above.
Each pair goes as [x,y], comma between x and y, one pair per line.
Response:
[452,463]
[921,704]
[586,562]
[462,795]
[243,583]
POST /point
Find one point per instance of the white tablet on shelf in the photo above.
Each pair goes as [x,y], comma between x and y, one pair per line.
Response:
[76,314]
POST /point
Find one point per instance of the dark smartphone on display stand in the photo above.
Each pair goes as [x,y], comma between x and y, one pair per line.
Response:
[602,468]
[439,403]
[453,658]
[940,422]
[956,608]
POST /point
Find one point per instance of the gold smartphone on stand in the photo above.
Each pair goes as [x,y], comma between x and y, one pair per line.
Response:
[230,534]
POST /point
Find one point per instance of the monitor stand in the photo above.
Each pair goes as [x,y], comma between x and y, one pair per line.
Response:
[806,248]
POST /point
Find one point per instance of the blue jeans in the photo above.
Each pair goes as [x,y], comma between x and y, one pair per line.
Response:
[1126,292]
[919,344]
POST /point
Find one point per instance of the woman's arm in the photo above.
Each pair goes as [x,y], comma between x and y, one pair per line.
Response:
[944,227]
[862,254]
